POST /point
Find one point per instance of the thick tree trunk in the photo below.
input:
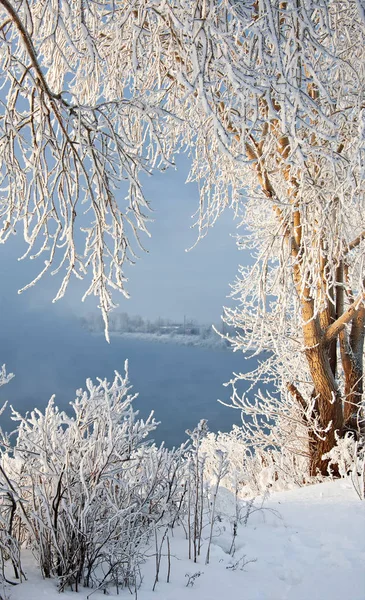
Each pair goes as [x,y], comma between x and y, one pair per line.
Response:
[327,404]
[352,348]
[328,407]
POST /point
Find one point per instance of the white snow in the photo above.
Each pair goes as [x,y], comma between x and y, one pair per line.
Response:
[306,544]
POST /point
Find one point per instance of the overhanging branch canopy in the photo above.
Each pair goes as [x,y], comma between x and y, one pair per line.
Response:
[94,94]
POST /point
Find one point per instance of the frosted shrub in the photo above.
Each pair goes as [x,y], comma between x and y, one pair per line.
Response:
[231,444]
[253,470]
[9,546]
[195,473]
[91,490]
[348,457]
[343,455]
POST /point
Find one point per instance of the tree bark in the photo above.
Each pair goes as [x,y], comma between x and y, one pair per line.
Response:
[352,348]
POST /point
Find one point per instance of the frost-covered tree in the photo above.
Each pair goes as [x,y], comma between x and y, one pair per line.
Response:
[268,98]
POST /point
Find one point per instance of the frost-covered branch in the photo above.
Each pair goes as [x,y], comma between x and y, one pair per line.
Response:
[335,328]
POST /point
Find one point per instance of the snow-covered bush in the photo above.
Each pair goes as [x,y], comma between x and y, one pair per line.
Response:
[9,546]
[195,473]
[253,470]
[90,490]
[348,457]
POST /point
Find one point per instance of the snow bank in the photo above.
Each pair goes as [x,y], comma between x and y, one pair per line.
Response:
[306,543]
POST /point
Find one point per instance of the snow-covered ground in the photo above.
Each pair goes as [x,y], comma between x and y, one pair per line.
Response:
[305,544]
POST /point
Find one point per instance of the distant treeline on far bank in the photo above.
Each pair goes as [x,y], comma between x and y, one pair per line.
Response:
[121,322]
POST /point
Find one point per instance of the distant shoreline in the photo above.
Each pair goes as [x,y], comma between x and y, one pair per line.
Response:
[170,338]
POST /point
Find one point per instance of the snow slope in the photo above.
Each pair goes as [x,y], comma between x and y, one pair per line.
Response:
[306,544]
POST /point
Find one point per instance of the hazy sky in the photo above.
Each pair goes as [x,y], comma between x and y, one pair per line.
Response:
[166,282]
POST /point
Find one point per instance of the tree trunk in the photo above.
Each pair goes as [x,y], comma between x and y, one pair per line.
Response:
[352,348]
[328,407]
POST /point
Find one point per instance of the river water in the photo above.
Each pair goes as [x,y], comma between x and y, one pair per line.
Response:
[181,384]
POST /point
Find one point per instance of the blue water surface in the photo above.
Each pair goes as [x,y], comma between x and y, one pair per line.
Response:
[181,384]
